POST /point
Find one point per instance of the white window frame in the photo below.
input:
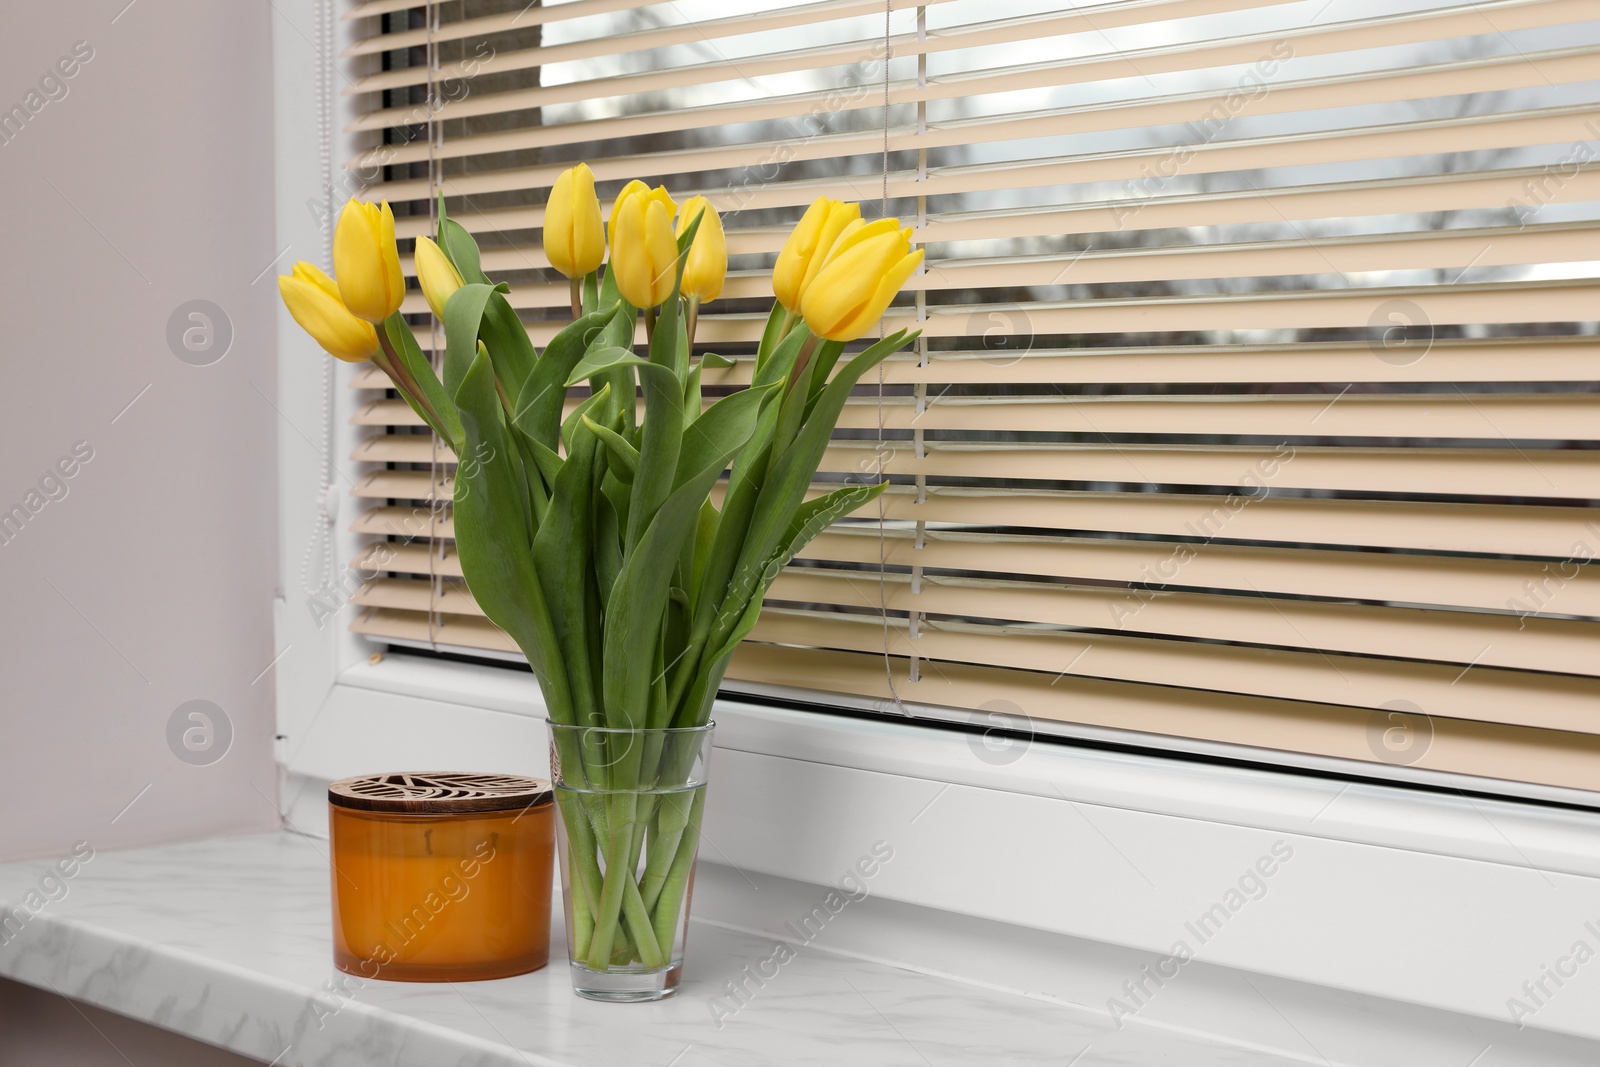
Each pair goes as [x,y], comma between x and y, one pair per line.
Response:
[340,711]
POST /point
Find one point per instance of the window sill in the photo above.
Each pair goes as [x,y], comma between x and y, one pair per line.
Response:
[226,941]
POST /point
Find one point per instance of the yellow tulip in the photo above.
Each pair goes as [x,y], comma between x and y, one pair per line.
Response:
[707,265]
[637,188]
[854,232]
[851,291]
[313,299]
[366,261]
[806,250]
[644,252]
[437,275]
[573,239]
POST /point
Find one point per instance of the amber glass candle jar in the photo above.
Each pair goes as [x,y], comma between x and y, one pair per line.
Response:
[441,877]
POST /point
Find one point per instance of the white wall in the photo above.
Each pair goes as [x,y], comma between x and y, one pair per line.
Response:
[146,183]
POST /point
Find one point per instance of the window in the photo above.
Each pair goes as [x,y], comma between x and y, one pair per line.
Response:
[1255,404]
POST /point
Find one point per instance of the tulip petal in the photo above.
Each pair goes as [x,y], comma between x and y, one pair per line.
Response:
[322,315]
[848,281]
[628,191]
[630,262]
[389,253]
[436,274]
[867,316]
[311,273]
[707,265]
[588,240]
[790,268]
[661,250]
[841,218]
[366,262]
[558,213]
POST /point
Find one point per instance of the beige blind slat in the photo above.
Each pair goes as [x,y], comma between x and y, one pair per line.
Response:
[1425,137]
[1341,91]
[703,30]
[1504,473]
[1501,303]
[1386,31]
[1489,750]
[1569,359]
[1392,577]
[1492,247]
[1093,17]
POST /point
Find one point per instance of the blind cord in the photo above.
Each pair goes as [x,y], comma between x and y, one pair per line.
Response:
[319,550]
[435,134]
[883,545]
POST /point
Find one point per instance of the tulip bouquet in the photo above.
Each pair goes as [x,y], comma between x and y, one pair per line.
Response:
[588,530]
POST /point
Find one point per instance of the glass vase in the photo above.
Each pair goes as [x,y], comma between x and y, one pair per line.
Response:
[630,804]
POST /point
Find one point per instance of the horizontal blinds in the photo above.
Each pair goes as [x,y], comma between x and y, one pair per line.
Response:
[1256,400]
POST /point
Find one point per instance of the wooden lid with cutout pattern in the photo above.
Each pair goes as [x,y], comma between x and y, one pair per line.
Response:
[439,793]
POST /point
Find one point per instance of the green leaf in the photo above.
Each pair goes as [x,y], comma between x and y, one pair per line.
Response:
[716,362]
[493,537]
[721,431]
[790,476]
[693,398]
[608,555]
[826,358]
[796,390]
[587,409]
[538,408]
[528,452]
[459,247]
[561,556]
[591,290]
[624,457]
[704,535]
[777,366]
[716,569]
[509,345]
[777,321]
[813,517]
[546,459]
[661,434]
[619,333]
[636,607]
[685,239]
[599,360]
[463,313]
[436,407]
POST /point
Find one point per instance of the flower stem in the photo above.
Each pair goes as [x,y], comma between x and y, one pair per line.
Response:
[670,902]
[620,815]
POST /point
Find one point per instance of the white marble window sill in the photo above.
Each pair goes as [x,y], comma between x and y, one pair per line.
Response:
[226,940]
